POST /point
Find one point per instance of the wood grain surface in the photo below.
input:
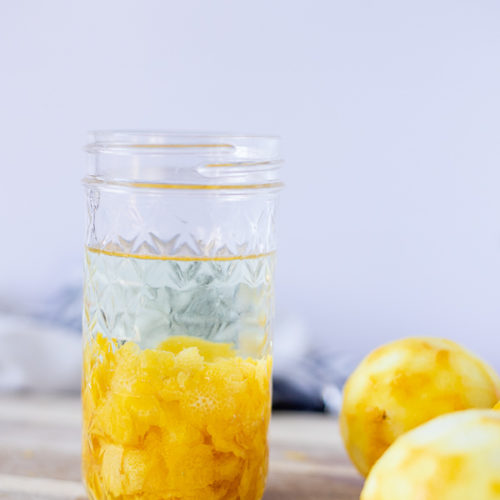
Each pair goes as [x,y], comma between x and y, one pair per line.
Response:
[40,454]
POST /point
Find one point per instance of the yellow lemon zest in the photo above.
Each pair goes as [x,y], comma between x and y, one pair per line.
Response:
[185,421]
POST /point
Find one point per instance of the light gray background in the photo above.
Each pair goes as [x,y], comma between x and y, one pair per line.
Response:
[390,110]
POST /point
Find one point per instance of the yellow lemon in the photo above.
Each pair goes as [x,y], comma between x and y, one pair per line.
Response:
[453,457]
[404,384]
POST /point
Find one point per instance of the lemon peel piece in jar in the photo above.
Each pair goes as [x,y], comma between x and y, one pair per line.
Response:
[185,421]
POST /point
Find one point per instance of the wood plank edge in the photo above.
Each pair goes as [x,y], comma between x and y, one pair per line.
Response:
[41,486]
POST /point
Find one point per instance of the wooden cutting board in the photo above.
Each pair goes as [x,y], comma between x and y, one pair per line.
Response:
[40,454]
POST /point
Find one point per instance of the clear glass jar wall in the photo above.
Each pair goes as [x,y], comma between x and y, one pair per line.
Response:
[178,312]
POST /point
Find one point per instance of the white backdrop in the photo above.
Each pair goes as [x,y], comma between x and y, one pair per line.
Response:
[390,111]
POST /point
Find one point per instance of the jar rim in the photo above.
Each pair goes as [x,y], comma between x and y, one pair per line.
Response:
[101,141]
[161,158]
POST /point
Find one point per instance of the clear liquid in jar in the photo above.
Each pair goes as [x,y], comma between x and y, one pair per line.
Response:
[145,299]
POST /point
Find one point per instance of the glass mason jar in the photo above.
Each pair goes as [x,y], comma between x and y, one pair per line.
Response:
[177,316]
